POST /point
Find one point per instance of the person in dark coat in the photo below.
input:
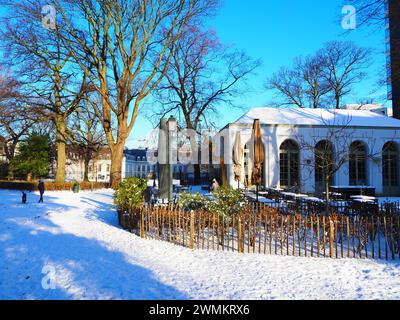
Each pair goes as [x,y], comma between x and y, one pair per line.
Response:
[41,190]
[23,197]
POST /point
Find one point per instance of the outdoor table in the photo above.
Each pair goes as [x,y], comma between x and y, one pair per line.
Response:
[301,196]
[364,201]
[313,199]
[363,197]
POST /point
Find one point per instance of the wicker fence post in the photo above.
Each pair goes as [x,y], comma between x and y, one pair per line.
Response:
[240,239]
[331,236]
[142,235]
[192,230]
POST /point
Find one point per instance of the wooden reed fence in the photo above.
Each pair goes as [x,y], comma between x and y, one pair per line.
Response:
[267,230]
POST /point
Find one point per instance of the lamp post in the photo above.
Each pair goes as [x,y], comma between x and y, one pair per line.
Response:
[172,128]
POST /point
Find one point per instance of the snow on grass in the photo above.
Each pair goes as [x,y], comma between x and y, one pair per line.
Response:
[78,236]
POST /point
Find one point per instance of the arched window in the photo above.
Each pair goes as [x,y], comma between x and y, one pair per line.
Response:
[289,164]
[390,169]
[358,164]
[324,164]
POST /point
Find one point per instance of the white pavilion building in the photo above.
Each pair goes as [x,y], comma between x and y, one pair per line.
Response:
[367,142]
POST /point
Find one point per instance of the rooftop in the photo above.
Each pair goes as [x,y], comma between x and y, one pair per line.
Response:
[318,117]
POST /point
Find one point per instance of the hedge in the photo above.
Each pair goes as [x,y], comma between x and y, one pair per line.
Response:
[51,186]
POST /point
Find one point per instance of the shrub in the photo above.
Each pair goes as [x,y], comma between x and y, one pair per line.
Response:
[228,202]
[33,158]
[189,201]
[130,193]
[18,185]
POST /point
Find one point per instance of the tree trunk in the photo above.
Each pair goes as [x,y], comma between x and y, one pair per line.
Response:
[337,99]
[10,153]
[117,156]
[327,195]
[86,169]
[10,171]
[195,156]
[61,150]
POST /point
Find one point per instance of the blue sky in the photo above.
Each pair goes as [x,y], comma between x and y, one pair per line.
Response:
[278,31]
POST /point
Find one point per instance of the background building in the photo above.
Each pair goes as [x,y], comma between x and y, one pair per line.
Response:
[135,164]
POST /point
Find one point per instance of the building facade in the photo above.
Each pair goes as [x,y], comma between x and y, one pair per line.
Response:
[134,164]
[364,144]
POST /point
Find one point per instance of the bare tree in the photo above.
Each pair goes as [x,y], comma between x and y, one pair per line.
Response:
[333,146]
[203,76]
[16,118]
[303,85]
[124,47]
[317,79]
[330,150]
[344,65]
[46,69]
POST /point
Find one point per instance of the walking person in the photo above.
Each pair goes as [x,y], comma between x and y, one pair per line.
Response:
[215,186]
[41,190]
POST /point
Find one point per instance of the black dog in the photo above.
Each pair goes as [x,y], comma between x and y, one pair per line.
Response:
[23,197]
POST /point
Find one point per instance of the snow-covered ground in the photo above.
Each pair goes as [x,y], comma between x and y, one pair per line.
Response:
[75,242]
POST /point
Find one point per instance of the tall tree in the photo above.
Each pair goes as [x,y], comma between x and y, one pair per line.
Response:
[46,69]
[303,85]
[124,47]
[322,79]
[344,65]
[204,75]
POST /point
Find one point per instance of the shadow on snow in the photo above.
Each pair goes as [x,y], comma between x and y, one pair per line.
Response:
[84,267]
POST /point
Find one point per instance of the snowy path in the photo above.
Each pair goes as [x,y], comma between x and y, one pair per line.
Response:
[93,258]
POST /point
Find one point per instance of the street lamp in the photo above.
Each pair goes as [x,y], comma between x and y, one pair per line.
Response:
[172,128]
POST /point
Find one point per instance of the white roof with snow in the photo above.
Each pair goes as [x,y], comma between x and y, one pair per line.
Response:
[318,117]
